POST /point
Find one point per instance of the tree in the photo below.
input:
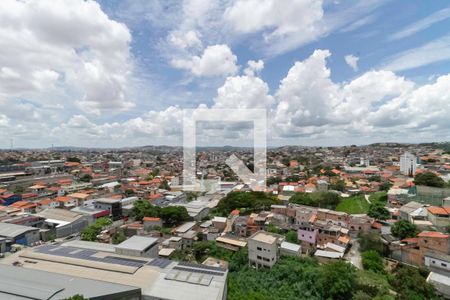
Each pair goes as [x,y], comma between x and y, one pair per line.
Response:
[371,241]
[292,237]
[385,186]
[247,201]
[338,185]
[143,208]
[409,283]
[91,232]
[372,260]
[378,211]
[404,229]
[429,179]
[118,238]
[76,297]
[86,178]
[174,215]
[337,280]
[129,192]
[73,159]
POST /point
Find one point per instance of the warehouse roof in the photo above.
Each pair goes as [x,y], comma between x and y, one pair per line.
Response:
[138,243]
[13,230]
[21,283]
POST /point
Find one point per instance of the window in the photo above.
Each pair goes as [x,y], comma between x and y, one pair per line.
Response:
[259,248]
[259,257]
[444,265]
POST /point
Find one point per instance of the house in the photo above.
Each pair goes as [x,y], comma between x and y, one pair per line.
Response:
[411,210]
[151,222]
[66,202]
[48,203]
[19,234]
[140,246]
[439,216]
[263,249]
[79,197]
[290,249]
[114,206]
[219,222]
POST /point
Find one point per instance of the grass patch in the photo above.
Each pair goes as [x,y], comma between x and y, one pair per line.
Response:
[354,205]
[379,197]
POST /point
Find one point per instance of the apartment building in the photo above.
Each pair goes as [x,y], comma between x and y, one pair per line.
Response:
[263,249]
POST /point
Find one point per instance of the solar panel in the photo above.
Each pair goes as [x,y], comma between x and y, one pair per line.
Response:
[200,266]
[198,271]
[87,254]
[159,262]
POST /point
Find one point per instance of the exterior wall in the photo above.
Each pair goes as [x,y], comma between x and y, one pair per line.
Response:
[436,263]
[262,254]
[149,225]
[435,244]
[72,228]
[152,251]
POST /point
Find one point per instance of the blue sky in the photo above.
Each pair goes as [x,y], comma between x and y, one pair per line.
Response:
[119,73]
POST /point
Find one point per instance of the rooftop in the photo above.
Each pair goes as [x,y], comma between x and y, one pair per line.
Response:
[264,237]
[139,243]
[13,230]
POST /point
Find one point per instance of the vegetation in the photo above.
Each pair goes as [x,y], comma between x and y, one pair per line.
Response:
[429,179]
[371,241]
[76,297]
[292,237]
[404,229]
[86,178]
[338,185]
[354,205]
[170,215]
[73,159]
[304,278]
[372,260]
[318,199]
[379,197]
[118,238]
[246,202]
[410,283]
[378,211]
[90,233]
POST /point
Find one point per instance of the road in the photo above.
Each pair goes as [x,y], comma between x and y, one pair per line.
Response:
[354,255]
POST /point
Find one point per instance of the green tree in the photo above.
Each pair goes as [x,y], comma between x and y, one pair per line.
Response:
[371,241]
[404,229]
[91,232]
[338,186]
[372,260]
[429,179]
[378,211]
[129,192]
[292,237]
[86,178]
[246,201]
[118,238]
[76,297]
[337,280]
[73,159]
[143,208]
[409,283]
[174,215]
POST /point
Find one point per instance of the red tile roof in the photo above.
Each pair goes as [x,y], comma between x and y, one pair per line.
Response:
[433,234]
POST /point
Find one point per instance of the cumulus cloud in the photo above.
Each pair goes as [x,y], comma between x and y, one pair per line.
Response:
[68,44]
[254,67]
[352,61]
[215,60]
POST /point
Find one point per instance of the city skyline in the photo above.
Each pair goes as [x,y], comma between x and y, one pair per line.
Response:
[113,74]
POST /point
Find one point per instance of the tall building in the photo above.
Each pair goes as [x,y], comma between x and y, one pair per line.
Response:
[408,164]
[263,249]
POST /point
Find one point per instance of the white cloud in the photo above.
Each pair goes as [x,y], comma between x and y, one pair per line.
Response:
[71,45]
[420,25]
[254,67]
[243,92]
[352,61]
[186,40]
[432,52]
[216,60]
[378,104]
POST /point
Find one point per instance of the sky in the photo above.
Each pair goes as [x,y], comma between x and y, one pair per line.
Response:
[117,73]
